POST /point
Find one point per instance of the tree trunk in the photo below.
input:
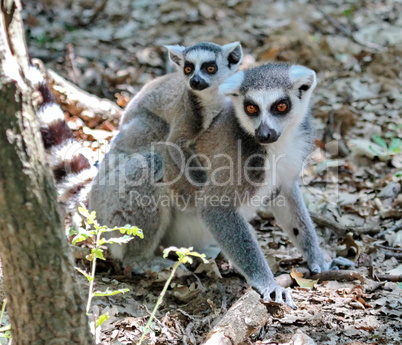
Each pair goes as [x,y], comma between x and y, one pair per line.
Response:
[44,300]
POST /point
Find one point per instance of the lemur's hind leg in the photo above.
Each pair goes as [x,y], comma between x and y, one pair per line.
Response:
[121,194]
[292,215]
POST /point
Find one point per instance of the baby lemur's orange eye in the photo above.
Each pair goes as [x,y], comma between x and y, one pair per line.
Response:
[211,69]
[251,109]
[282,107]
[188,69]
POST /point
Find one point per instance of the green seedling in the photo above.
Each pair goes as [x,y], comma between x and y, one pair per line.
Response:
[393,147]
[93,229]
[5,331]
[184,256]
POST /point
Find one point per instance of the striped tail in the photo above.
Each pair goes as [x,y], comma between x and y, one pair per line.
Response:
[72,169]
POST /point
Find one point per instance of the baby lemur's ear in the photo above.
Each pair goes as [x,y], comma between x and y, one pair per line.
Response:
[231,86]
[302,78]
[176,54]
[234,53]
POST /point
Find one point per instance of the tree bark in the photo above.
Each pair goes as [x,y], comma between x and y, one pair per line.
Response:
[44,299]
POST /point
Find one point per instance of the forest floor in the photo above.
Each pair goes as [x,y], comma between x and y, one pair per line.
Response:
[353,181]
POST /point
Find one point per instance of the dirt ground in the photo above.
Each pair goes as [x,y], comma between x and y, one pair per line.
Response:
[352,185]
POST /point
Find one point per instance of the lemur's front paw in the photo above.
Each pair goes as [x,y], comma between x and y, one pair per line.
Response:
[322,266]
[278,294]
[316,268]
[340,261]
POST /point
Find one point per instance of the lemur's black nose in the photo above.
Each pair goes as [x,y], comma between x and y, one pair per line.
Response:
[197,83]
[266,135]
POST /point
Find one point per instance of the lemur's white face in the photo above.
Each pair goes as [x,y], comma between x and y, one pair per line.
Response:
[206,65]
[271,99]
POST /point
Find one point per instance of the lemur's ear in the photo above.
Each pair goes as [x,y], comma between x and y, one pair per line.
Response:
[302,78]
[234,53]
[176,53]
[231,86]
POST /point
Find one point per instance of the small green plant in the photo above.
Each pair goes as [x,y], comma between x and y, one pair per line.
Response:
[398,174]
[93,229]
[184,256]
[5,331]
[393,147]
[348,13]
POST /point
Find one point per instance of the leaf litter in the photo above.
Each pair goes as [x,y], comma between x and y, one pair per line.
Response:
[355,47]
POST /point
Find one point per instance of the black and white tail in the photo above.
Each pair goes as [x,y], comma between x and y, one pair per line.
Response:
[72,169]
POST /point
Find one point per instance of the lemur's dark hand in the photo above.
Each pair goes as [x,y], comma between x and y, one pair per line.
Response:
[278,294]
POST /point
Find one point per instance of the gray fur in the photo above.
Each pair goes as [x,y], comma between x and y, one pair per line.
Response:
[166,110]
[266,77]
[233,135]
[215,48]
[167,96]
[187,111]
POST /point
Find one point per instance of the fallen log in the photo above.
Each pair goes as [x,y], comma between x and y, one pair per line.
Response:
[245,317]
[75,101]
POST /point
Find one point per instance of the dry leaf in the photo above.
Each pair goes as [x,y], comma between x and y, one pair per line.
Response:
[210,269]
[303,282]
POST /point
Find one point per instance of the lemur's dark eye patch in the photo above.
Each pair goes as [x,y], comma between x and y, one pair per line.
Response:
[209,67]
[281,106]
[251,109]
[188,68]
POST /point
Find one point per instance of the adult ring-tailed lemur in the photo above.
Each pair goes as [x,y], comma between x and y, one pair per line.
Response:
[265,132]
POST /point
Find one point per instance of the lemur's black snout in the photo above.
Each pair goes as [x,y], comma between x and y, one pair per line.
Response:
[197,83]
[266,135]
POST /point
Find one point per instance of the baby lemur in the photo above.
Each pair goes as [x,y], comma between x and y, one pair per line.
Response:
[176,108]
[188,101]
[265,134]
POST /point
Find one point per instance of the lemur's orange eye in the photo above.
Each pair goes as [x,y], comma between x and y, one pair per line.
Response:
[211,69]
[282,107]
[188,69]
[251,109]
